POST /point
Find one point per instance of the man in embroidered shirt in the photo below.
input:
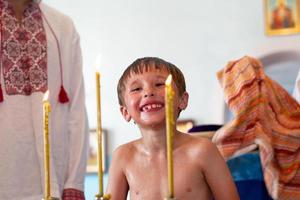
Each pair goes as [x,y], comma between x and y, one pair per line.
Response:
[40,51]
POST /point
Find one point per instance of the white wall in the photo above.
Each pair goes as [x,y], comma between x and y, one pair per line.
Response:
[199,36]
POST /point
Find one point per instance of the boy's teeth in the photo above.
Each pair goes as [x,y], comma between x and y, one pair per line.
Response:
[151,106]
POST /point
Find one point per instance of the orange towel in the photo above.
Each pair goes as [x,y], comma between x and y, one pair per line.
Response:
[264,115]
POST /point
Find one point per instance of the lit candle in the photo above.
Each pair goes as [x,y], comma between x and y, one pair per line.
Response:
[99,134]
[170,124]
[46,108]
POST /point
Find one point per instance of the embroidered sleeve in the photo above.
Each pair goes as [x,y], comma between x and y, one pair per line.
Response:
[72,194]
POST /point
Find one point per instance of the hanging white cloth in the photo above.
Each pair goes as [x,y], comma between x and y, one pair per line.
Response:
[296,93]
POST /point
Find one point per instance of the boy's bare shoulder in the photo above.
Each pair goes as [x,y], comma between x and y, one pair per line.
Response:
[196,140]
[126,151]
[200,146]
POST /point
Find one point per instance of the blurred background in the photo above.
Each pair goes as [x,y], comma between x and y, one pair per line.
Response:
[198,36]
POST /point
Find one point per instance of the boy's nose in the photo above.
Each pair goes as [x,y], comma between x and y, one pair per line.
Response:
[148,91]
[148,94]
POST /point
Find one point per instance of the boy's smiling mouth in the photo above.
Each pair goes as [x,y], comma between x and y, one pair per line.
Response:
[151,107]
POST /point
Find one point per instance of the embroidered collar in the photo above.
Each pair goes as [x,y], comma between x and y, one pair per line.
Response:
[24,50]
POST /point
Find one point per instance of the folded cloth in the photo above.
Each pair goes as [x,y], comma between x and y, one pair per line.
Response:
[264,115]
[72,194]
[296,93]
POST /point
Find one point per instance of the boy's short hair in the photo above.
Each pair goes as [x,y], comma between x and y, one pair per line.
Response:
[145,64]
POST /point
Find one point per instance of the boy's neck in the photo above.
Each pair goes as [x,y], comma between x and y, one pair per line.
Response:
[155,141]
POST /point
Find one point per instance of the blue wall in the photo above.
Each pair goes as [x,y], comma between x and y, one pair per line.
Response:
[91,185]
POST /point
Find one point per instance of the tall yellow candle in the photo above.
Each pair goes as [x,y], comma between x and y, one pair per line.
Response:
[99,133]
[46,108]
[170,125]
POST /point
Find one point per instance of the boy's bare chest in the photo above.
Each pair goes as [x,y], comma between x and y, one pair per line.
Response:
[148,180]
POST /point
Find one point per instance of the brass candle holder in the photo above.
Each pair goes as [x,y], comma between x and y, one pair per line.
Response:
[105,197]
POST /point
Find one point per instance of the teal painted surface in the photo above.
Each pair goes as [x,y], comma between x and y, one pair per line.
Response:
[91,185]
[246,167]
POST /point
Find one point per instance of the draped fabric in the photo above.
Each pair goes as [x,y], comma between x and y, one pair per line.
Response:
[264,115]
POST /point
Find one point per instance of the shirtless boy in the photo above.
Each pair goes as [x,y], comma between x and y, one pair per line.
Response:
[140,166]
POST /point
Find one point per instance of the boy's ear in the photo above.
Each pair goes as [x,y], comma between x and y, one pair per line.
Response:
[183,101]
[125,113]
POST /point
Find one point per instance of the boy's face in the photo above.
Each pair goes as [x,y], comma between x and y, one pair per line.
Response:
[144,98]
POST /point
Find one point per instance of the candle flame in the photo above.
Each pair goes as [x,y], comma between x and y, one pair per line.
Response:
[169,80]
[46,95]
[98,62]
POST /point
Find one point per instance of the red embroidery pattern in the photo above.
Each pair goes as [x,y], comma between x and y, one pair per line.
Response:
[24,50]
[72,194]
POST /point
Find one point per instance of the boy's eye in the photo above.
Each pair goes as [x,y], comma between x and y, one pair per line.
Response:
[160,84]
[135,89]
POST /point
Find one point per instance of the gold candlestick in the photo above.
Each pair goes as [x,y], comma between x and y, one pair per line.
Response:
[99,134]
[170,125]
[99,196]
[46,109]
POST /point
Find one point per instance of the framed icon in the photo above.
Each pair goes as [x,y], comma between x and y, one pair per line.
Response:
[282,17]
[92,165]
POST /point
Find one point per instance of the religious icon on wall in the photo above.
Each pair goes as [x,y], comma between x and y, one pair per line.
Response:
[92,165]
[282,17]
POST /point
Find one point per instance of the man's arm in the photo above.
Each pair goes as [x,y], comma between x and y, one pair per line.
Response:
[77,124]
[117,182]
[217,174]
